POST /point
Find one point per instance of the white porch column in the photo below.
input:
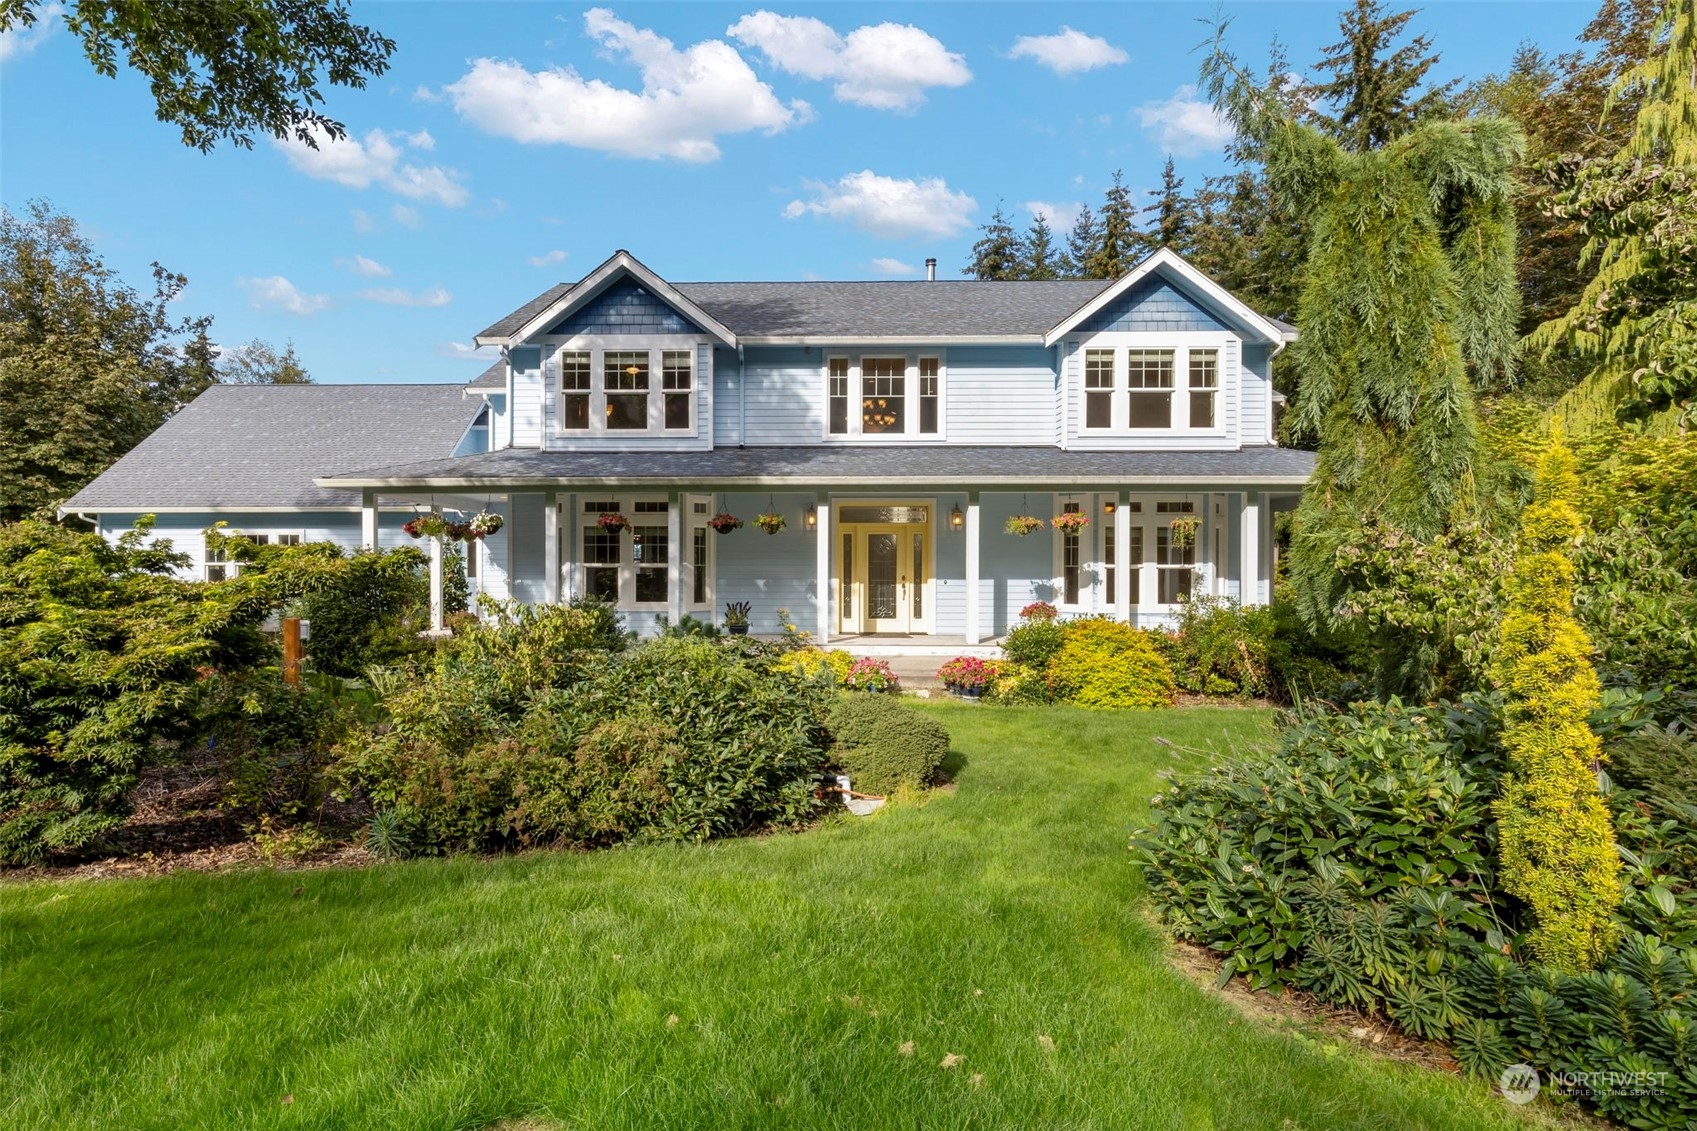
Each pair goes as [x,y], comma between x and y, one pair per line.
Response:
[1249,547]
[568,555]
[1124,577]
[368,520]
[822,522]
[551,548]
[674,557]
[971,532]
[436,579]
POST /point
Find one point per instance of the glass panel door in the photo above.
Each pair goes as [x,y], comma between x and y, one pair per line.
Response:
[883,583]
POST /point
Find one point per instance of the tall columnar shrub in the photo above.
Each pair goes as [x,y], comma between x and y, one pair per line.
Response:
[1555,838]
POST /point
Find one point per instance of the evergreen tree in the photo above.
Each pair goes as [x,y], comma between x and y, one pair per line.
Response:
[1171,210]
[1415,238]
[1042,261]
[1372,89]
[1119,243]
[1082,239]
[999,253]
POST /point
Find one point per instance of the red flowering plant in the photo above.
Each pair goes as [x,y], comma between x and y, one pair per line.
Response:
[725,522]
[1071,522]
[1039,611]
[868,674]
[967,674]
[612,520]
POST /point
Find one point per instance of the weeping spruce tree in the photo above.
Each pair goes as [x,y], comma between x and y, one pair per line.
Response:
[1554,835]
[1409,304]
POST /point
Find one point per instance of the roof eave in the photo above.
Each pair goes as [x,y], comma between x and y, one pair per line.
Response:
[594,283]
[954,482]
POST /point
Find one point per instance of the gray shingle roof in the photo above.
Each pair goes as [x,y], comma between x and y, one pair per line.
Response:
[239,446]
[875,309]
[495,377]
[859,466]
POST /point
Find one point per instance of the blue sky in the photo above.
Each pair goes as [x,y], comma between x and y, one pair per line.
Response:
[514,145]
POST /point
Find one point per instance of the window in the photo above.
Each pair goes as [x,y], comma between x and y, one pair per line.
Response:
[625,377]
[574,390]
[1098,388]
[698,566]
[929,367]
[676,380]
[1134,565]
[649,553]
[883,392]
[1175,563]
[219,567]
[837,394]
[601,553]
[1110,564]
[633,566]
[1071,560]
[1150,378]
[1204,383]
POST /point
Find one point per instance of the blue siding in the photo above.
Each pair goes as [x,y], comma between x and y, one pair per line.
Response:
[1153,304]
[626,307]
[771,571]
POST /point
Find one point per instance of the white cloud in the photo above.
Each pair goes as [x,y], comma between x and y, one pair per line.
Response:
[463,351]
[274,292]
[1184,124]
[895,268]
[884,66]
[360,265]
[889,206]
[398,296]
[407,216]
[1068,52]
[19,41]
[377,160]
[362,220]
[425,94]
[688,98]
[1058,214]
[547,259]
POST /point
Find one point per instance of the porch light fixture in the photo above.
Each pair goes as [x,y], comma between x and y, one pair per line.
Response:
[810,517]
[956,519]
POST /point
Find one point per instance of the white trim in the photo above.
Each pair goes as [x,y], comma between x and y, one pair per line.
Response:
[894,341]
[1070,484]
[620,264]
[1165,260]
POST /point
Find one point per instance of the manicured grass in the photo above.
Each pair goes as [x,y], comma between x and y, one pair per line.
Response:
[457,993]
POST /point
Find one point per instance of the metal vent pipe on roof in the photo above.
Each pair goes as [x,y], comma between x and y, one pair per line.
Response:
[931,269]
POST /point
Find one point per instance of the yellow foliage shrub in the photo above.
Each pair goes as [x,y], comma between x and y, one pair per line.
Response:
[1555,836]
[1103,663]
[808,662]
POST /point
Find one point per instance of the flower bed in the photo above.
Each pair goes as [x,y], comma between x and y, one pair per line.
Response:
[967,675]
[868,674]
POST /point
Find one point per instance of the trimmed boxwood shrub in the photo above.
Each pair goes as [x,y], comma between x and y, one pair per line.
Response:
[1103,663]
[884,745]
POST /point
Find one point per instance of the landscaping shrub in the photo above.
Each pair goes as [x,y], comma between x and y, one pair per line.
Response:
[101,652]
[867,674]
[1555,836]
[885,745]
[831,667]
[369,612]
[1016,685]
[1222,648]
[1033,643]
[1103,663]
[272,741]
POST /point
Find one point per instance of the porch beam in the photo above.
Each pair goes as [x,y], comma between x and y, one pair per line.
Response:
[971,532]
[822,521]
[368,519]
[551,548]
[1249,546]
[674,557]
[1124,577]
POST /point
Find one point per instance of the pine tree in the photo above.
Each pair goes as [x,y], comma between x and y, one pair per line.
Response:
[1119,243]
[1373,93]
[1172,212]
[1554,834]
[1082,239]
[999,253]
[1042,261]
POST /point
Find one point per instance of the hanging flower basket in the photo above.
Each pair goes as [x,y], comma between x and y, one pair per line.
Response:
[457,531]
[1184,531]
[485,523]
[427,526]
[770,522]
[1071,522]
[1023,524]
[725,523]
[614,522]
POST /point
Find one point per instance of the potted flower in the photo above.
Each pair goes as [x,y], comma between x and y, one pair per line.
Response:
[457,531]
[736,617]
[430,525]
[1023,524]
[868,674]
[724,523]
[1071,522]
[967,676]
[485,523]
[771,522]
[1039,612]
[613,521]
[1184,531]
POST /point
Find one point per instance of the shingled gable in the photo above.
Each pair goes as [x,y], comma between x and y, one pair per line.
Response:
[1172,266]
[621,265]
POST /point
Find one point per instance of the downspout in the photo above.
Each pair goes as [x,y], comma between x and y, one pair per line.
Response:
[742,399]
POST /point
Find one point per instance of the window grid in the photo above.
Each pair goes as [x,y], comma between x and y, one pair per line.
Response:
[929,370]
[837,393]
[1071,563]
[649,551]
[1175,566]
[626,371]
[1134,559]
[1110,563]
[677,379]
[602,552]
[1204,383]
[1149,376]
[883,390]
[575,379]
[1098,388]
[698,566]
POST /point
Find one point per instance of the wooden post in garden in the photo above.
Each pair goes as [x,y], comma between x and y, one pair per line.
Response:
[291,649]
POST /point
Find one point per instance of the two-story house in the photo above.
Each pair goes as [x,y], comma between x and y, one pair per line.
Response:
[896,426]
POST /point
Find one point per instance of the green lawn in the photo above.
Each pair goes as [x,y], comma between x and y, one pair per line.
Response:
[458,993]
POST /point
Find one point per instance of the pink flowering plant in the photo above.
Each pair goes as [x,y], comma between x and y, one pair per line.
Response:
[1071,522]
[1039,611]
[868,674]
[967,673]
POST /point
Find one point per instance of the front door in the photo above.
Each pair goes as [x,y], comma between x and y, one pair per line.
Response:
[883,572]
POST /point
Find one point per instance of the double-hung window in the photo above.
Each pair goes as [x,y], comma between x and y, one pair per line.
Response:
[625,377]
[1204,385]
[837,394]
[676,380]
[1175,551]
[1149,381]
[883,395]
[575,379]
[632,565]
[929,367]
[1098,388]
[1072,559]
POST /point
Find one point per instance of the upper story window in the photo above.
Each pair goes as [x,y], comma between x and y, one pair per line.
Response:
[899,396]
[626,398]
[1142,389]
